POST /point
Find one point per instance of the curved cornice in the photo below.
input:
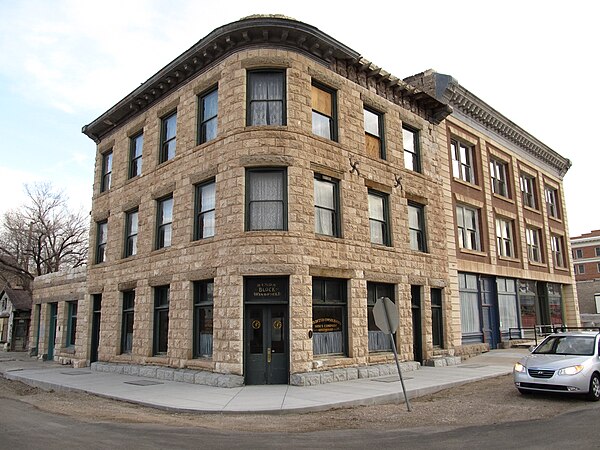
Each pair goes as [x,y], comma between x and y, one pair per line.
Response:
[259,31]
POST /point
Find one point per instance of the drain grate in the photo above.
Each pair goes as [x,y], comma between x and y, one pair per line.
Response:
[390,379]
[143,382]
[75,373]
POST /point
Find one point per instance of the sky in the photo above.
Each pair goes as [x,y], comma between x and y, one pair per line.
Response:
[65,62]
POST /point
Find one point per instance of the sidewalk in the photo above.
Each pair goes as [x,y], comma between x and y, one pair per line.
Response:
[172,395]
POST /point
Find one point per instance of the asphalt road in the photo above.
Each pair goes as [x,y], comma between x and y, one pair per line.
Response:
[24,427]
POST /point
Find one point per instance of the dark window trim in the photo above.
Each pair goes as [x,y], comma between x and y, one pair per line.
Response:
[284,200]
[423,232]
[129,236]
[197,204]
[160,306]
[106,176]
[163,157]
[387,235]
[417,144]
[341,302]
[71,323]
[336,201]
[101,245]
[132,158]
[283,73]
[201,301]
[200,134]
[333,127]
[159,226]
[128,309]
[381,128]
[437,329]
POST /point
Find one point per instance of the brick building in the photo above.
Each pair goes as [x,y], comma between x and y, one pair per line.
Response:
[256,196]
[586,263]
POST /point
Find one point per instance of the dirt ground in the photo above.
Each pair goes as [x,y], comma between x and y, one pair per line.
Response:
[485,402]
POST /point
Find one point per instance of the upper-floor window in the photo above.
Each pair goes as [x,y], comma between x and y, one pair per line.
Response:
[324,120]
[532,237]
[467,220]
[412,151]
[379,218]
[131,233]
[106,171]
[204,210]
[551,195]
[463,165]
[374,133]
[528,190]
[101,240]
[164,222]
[326,205]
[416,225]
[266,199]
[168,137]
[580,269]
[136,145]
[208,108]
[558,252]
[499,177]
[578,253]
[266,97]
[597,251]
[504,237]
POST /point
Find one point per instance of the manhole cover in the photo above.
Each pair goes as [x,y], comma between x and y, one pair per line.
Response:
[390,379]
[143,382]
[75,373]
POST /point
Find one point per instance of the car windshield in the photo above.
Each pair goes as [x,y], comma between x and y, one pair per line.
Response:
[567,345]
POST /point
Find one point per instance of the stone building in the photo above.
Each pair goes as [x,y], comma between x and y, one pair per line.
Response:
[255,197]
[586,263]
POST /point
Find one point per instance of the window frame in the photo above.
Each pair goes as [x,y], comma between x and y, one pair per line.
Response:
[135,160]
[464,171]
[380,130]
[199,213]
[528,190]
[106,172]
[165,142]
[551,196]
[384,222]
[101,232]
[505,242]
[499,177]
[71,336]
[335,212]
[202,120]
[329,302]
[578,253]
[557,246]
[160,225]
[415,154]
[437,317]
[203,299]
[127,312]
[130,236]
[250,173]
[421,233]
[580,269]
[534,234]
[373,291]
[464,232]
[161,305]
[333,120]
[249,100]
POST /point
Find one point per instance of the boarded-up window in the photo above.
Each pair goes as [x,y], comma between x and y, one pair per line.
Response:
[374,134]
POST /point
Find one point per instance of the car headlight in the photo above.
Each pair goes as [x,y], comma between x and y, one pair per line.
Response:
[573,370]
[520,368]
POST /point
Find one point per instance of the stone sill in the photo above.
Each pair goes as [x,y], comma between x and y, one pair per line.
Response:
[350,373]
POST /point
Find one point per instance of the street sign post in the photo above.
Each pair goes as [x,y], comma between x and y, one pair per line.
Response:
[385,315]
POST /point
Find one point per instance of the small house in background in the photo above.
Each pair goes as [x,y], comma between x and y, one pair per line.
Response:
[15,312]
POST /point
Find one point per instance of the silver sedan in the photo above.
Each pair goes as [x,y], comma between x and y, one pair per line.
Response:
[564,362]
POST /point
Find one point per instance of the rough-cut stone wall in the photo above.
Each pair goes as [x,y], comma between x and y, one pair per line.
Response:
[586,291]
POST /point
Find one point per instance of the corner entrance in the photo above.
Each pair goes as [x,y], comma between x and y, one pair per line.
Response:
[266,331]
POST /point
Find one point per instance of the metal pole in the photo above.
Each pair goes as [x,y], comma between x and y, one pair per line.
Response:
[408,407]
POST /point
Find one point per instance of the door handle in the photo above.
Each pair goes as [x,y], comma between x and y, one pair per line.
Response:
[269,355]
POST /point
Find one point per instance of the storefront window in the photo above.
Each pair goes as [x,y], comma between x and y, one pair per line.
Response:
[329,316]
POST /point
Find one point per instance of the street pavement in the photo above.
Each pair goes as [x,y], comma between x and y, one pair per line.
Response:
[179,396]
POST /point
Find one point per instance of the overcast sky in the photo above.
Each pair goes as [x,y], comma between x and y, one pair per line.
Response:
[63,63]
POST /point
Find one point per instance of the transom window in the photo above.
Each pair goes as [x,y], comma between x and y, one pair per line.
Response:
[131,232]
[532,236]
[326,205]
[463,166]
[416,224]
[101,240]
[374,133]
[208,106]
[504,237]
[266,97]
[528,190]
[467,220]
[204,225]
[498,174]
[168,137]
[164,222]
[106,171]
[379,218]
[323,112]
[551,195]
[266,204]
[136,145]
[412,151]
[558,253]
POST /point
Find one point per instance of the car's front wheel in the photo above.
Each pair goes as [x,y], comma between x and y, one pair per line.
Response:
[594,392]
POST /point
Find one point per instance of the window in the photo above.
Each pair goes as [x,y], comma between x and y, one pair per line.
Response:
[136,145]
[532,236]
[131,233]
[106,171]
[266,206]
[498,173]
[168,137]
[412,151]
[416,225]
[204,224]
[578,253]
[324,120]
[437,322]
[379,218]
[504,238]
[462,161]
[329,316]
[127,321]
[557,251]
[597,301]
[326,206]
[203,318]
[266,98]
[469,304]
[598,267]
[101,239]
[467,220]
[551,195]
[374,134]
[161,320]
[71,323]
[164,222]
[528,191]
[580,269]
[378,340]
[597,249]
[208,107]
[508,305]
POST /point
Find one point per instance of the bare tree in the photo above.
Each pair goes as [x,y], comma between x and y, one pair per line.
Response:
[42,236]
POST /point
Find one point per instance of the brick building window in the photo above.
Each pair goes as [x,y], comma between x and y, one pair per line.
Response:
[528,190]
[499,177]
[578,253]
[532,237]
[324,118]
[161,320]
[106,171]
[467,220]
[131,232]
[203,318]
[374,133]
[416,225]
[551,195]
[558,252]
[266,98]
[101,240]
[164,222]
[504,237]
[463,164]
[580,269]
[136,144]
[71,323]
[266,194]
[412,150]
[127,321]
[379,218]
[208,108]
[204,210]
[329,316]
[326,205]
[168,137]
[597,250]
[378,340]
